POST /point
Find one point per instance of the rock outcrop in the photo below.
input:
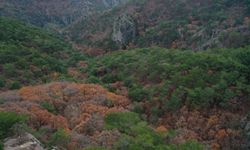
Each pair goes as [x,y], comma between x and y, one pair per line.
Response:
[25,141]
[124,30]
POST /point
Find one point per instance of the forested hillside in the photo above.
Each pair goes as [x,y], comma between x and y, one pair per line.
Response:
[175,87]
[189,24]
[54,14]
[29,55]
[125,75]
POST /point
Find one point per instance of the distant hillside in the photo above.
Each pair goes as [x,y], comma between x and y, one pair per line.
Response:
[54,13]
[188,24]
[30,55]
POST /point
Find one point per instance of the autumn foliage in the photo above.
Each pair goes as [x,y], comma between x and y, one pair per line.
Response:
[79,108]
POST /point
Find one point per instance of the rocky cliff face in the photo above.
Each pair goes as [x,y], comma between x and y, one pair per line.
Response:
[124,30]
[25,141]
[54,12]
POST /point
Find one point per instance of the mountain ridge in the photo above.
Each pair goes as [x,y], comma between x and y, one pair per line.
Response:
[197,25]
[58,13]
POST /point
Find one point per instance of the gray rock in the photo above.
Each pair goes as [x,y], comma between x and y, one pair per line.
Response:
[124,30]
[25,141]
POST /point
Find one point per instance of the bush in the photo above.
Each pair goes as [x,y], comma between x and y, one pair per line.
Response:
[139,136]
[244,58]
[48,106]
[108,103]
[137,94]
[175,102]
[95,148]
[15,85]
[2,81]
[201,97]
[7,120]
[233,39]
[138,108]
[1,145]
[60,138]
[9,70]
[93,79]
[190,145]
[109,78]
[129,82]
[123,121]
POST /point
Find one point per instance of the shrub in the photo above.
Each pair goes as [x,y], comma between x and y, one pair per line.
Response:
[22,64]
[137,94]
[123,121]
[93,79]
[190,145]
[139,136]
[129,82]
[108,103]
[1,145]
[95,148]
[60,138]
[7,120]
[48,106]
[244,58]
[15,85]
[174,103]
[9,70]
[155,112]
[201,97]
[2,81]
[109,78]
[233,39]
[138,108]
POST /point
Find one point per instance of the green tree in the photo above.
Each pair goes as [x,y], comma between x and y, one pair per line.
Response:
[7,120]
[2,81]
[59,138]
[122,120]
[48,106]
[1,145]
[137,93]
[15,85]
[9,70]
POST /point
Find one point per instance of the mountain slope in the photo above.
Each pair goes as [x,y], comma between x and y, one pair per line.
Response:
[137,99]
[222,73]
[191,92]
[80,116]
[31,55]
[189,24]
[53,13]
